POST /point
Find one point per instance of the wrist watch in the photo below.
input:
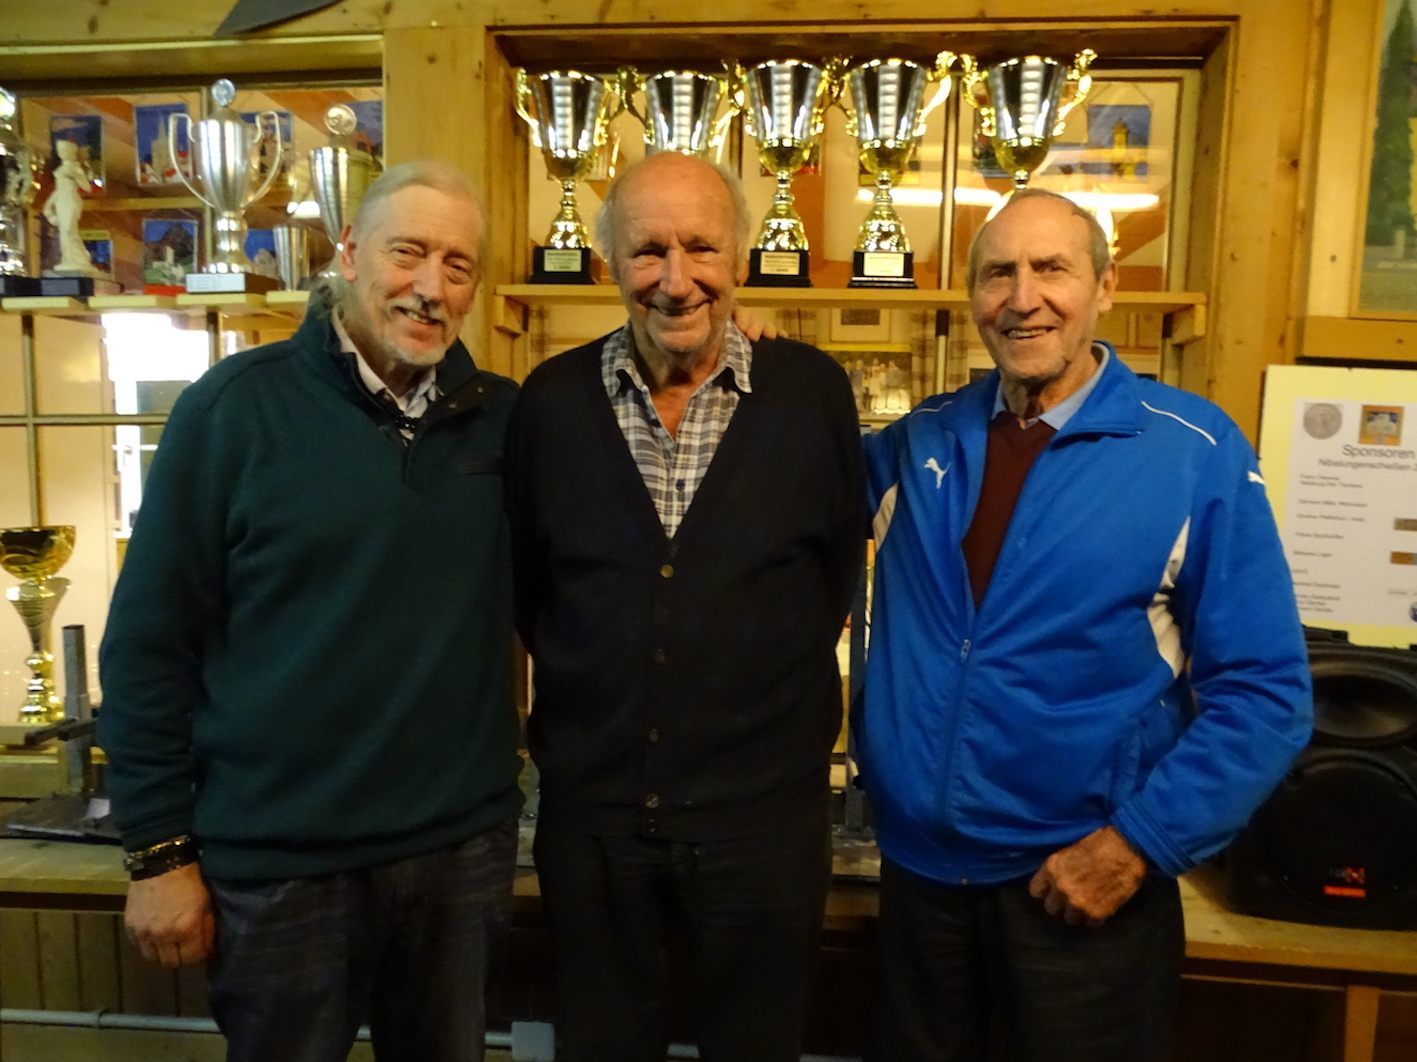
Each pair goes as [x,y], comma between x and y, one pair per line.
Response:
[159,858]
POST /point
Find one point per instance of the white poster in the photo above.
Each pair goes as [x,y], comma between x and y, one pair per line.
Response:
[1347,503]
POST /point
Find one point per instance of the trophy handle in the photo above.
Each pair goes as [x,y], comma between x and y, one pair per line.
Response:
[522,98]
[941,73]
[738,89]
[735,105]
[275,160]
[173,122]
[837,68]
[1078,85]
[628,81]
[975,95]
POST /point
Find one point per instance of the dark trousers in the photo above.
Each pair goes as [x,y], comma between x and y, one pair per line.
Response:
[951,955]
[748,910]
[301,963]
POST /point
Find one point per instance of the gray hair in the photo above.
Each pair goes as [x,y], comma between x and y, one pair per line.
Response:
[605,220]
[327,293]
[1098,251]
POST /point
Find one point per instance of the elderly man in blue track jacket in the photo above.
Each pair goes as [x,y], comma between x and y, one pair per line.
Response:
[1086,670]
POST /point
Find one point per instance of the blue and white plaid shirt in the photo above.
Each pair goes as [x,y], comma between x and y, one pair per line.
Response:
[673,467]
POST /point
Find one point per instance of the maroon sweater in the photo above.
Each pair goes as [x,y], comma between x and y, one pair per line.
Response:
[1011,453]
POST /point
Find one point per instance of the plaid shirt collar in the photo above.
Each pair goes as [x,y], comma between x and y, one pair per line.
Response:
[618,369]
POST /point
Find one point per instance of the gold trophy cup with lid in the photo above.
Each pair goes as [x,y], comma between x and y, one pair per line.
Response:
[33,555]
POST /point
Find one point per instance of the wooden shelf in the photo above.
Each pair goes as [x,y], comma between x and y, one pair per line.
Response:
[286,305]
[1162,302]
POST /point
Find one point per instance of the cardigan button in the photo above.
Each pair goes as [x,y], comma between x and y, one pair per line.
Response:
[652,801]
[666,571]
[653,735]
[660,656]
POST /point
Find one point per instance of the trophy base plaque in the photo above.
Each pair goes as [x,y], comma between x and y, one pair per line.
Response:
[882,269]
[561,265]
[18,286]
[777,269]
[77,287]
[229,283]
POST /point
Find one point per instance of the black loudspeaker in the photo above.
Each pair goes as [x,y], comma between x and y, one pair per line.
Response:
[1336,843]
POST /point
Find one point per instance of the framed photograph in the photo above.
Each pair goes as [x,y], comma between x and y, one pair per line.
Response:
[1118,135]
[886,382]
[860,324]
[369,133]
[1387,281]
[100,247]
[287,142]
[261,250]
[85,131]
[169,254]
[154,160]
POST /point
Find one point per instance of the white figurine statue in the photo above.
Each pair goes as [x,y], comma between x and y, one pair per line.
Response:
[64,206]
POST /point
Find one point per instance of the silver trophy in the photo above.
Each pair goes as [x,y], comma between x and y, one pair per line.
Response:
[681,110]
[887,118]
[569,115]
[1024,103]
[340,174]
[19,181]
[785,113]
[226,161]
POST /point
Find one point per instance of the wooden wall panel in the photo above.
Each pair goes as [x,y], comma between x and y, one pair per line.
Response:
[19,960]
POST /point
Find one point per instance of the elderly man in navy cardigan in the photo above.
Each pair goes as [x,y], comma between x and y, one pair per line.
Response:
[686,511]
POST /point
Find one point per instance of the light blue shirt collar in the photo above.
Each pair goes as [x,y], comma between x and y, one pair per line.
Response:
[1060,414]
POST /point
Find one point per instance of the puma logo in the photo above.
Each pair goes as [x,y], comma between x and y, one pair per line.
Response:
[934,466]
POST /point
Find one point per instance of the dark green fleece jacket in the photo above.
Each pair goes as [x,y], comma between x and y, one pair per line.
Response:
[307,659]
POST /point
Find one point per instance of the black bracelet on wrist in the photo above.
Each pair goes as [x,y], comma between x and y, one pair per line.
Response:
[159,858]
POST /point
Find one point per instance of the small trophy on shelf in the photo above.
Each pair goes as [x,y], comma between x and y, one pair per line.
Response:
[340,173]
[569,116]
[19,182]
[226,162]
[33,555]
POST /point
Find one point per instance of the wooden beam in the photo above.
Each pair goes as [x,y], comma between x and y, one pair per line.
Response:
[1357,339]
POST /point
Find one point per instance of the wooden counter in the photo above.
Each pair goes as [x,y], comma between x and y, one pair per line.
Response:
[1220,945]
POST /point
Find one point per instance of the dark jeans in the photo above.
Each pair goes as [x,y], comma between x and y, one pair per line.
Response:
[749,910]
[299,964]
[950,954]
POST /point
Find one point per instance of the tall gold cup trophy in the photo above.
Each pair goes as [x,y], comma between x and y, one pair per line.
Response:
[785,112]
[33,555]
[887,117]
[569,116]
[1024,103]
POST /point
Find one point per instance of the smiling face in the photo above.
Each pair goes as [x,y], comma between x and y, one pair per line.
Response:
[676,258]
[412,267]
[1036,298]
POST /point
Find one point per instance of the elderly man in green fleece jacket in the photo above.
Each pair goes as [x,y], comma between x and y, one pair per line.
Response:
[307,700]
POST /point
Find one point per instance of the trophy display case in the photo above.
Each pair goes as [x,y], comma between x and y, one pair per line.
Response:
[1122,148]
[86,382]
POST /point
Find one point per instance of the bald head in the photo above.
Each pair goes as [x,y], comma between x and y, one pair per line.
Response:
[670,166]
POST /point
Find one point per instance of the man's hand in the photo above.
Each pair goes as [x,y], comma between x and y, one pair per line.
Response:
[169,917]
[1088,881]
[753,326]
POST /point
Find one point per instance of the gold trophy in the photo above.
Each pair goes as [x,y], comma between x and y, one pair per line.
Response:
[340,173]
[569,115]
[887,118]
[785,112]
[33,555]
[681,110]
[1024,103]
